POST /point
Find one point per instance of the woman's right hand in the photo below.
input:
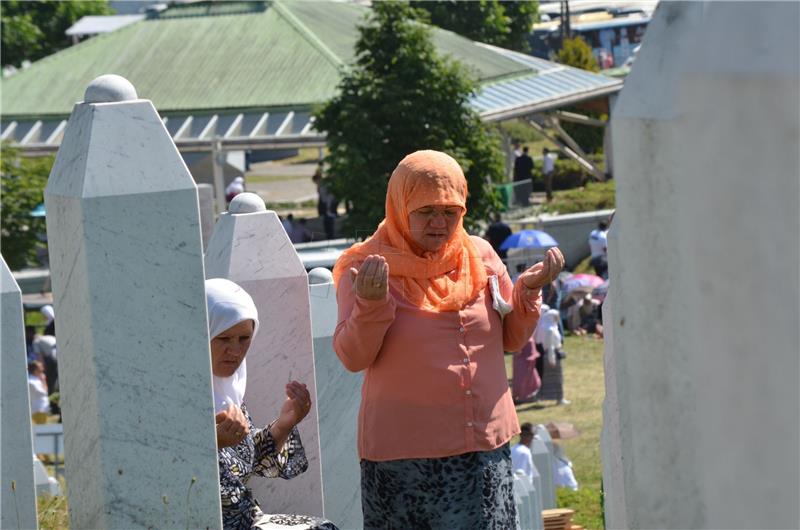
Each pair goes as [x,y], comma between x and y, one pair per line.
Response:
[371,281]
[232,426]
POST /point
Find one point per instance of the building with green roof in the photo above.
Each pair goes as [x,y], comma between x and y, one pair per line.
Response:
[249,74]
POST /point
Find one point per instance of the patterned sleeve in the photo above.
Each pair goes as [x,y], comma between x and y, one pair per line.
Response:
[269,462]
[236,498]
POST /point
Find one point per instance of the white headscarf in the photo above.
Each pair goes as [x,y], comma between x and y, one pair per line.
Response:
[236,186]
[48,312]
[547,333]
[228,304]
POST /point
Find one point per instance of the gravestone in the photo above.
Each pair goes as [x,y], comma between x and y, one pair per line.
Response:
[704,257]
[250,247]
[545,465]
[536,498]
[134,363]
[522,497]
[17,496]
[205,198]
[339,396]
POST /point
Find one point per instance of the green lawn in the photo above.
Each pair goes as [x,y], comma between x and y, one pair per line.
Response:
[584,386]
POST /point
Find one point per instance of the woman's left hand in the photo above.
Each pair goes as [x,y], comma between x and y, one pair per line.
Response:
[545,271]
[296,407]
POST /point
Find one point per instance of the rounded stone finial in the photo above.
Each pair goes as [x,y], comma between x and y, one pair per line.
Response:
[247,203]
[108,89]
[319,275]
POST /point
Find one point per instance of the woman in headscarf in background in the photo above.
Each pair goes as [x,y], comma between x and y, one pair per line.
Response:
[548,342]
[243,450]
[422,309]
[526,382]
[234,188]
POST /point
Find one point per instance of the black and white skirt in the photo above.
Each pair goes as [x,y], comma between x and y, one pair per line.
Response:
[469,491]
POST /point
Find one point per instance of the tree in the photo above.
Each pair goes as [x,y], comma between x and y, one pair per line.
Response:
[505,24]
[32,30]
[22,182]
[398,97]
[576,52]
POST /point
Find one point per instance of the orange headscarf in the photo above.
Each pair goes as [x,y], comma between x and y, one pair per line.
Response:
[445,280]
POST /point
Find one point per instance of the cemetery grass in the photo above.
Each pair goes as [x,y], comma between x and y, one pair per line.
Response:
[584,386]
[52,511]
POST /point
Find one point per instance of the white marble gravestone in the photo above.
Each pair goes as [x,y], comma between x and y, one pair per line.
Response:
[250,247]
[134,363]
[543,460]
[17,494]
[704,261]
[523,500]
[339,396]
[205,197]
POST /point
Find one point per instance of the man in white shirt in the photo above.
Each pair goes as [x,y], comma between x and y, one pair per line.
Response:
[598,244]
[548,166]
[521,458]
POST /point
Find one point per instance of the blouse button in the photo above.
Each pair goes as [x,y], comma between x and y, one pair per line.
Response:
[468,392]
[469,424]
[461,329]
[466,360]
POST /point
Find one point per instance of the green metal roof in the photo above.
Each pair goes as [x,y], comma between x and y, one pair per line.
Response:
[222,55]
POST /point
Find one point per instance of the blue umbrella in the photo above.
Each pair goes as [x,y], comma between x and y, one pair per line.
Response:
[38,211]
[529,239]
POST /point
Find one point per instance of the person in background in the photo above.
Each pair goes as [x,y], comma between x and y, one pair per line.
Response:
[420,314]
[498,232]
[521,457]
[523,174]
[563,476]
[288,225]
[234,188]
[548,342]
[316,178]
[37,392]
[50,317]
[44,350]
[30,336]
[548,166]
[583,317]
[300,232]
[598,245]
[526,382]
[244,450]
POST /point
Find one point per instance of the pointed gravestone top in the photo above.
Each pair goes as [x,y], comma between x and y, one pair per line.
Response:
[247,203]
[109,88]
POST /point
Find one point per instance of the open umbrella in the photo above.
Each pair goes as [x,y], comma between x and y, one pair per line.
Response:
[584,281]
[529,239]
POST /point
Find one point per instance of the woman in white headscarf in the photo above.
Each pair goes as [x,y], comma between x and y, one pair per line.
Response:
[234,188]
[548,341]
[243,450]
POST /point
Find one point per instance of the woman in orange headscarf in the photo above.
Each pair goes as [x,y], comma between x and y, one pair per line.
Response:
[427,311]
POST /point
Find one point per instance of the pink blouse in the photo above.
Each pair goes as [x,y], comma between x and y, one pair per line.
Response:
[435,383]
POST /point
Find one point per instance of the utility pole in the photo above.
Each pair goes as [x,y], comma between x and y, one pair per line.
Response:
[566,28]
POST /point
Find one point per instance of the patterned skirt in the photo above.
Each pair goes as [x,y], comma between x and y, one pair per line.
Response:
[292,522]
[469,491]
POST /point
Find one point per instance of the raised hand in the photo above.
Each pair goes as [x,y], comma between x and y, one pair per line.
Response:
[545,271]
[371,281]
[232,426]
[296,407]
